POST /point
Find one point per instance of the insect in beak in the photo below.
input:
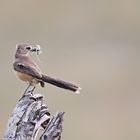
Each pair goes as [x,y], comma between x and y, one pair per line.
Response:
[37,49]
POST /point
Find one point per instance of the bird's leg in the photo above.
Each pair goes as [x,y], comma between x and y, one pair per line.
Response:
[33,84]
[27,89]
[33,89]
[25,92]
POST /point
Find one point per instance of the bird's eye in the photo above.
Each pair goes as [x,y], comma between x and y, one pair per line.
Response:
[28,48]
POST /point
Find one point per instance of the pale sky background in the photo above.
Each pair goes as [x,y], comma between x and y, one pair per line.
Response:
[93,43]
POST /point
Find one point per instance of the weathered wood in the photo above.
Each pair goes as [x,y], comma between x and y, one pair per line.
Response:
[29,115]
[54,129]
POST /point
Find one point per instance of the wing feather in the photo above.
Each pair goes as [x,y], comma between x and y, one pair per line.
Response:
[27,69]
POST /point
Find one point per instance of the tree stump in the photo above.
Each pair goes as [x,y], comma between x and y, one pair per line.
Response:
[29,115]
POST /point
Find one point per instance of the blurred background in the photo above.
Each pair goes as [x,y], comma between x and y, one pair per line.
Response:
[93,43]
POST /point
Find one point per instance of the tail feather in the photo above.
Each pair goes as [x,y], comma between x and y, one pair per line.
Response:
[61,83]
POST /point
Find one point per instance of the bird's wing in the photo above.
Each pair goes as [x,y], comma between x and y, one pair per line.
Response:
[27,68]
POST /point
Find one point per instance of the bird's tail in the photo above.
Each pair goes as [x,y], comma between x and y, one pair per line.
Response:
[61,83]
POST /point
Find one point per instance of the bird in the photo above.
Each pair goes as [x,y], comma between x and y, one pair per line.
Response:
[27,70]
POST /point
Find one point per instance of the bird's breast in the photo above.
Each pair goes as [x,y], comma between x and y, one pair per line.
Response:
[27,78]
[24,77]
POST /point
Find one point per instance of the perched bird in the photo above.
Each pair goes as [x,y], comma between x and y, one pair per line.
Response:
[27,70]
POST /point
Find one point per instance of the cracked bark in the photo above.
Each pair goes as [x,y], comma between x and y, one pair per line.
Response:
[29,115]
